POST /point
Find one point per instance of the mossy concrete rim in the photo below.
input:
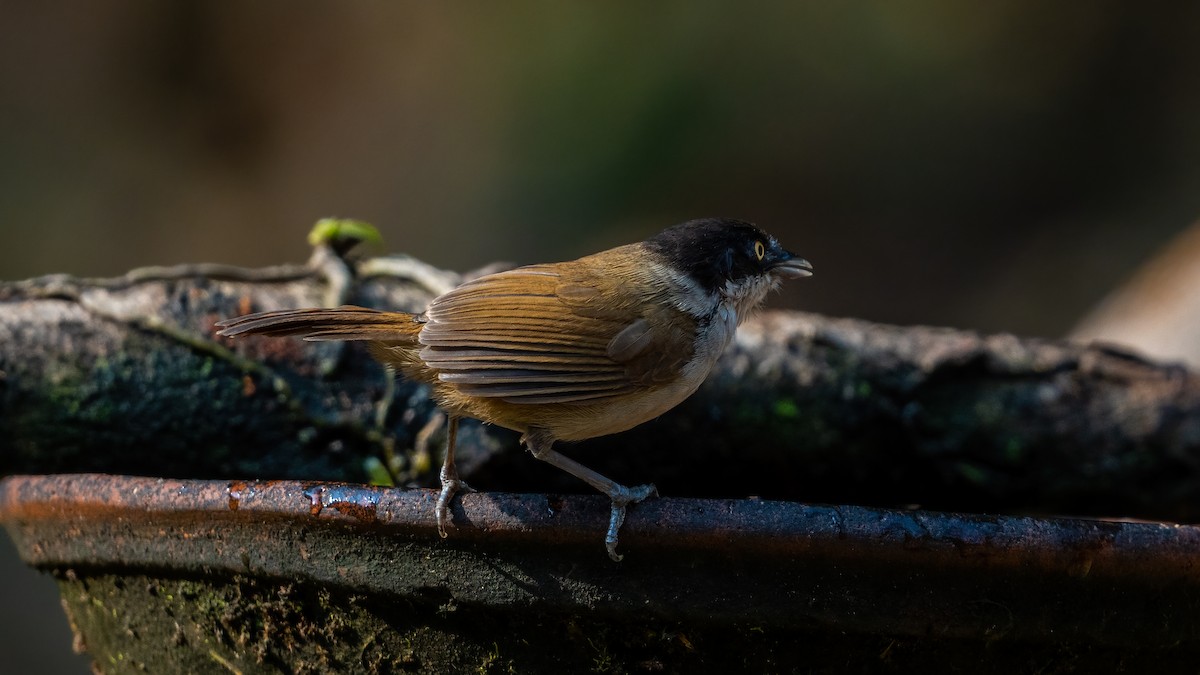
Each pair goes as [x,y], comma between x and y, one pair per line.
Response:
[735,562]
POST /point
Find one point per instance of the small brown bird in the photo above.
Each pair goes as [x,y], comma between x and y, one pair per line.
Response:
[572,350]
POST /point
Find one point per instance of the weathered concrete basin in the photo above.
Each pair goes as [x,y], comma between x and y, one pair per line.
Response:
[284,576]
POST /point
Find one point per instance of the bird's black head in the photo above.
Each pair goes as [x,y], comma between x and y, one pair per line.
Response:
[717,251]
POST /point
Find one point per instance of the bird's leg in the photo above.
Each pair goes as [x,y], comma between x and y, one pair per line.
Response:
[540,445]
[449,475]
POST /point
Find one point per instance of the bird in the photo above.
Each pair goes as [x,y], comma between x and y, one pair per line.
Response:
[568,351]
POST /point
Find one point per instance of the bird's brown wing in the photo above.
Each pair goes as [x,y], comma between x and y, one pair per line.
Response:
[553,334]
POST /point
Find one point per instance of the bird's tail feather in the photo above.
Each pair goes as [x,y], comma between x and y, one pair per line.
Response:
[319,324]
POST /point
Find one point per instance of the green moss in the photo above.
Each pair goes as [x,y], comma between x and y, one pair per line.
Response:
[749,413]
[1014,450]
[787,408]
[990,412]
[146,624]
[493,662]
[972,473]
[343,230]
[146,409]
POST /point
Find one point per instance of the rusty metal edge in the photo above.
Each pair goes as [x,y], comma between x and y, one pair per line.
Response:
[772,563]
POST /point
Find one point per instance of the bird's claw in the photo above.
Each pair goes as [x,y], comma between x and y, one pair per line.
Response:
[620,500]
[451,485]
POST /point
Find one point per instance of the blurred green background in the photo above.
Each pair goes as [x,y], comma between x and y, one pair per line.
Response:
[999,166]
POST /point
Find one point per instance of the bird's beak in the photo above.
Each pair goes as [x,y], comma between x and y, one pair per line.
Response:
[792,267]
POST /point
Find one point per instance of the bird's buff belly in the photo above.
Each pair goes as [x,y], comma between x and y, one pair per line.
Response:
[572,421]
[600,419]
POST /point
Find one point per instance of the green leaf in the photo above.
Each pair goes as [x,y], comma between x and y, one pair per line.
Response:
[342,231]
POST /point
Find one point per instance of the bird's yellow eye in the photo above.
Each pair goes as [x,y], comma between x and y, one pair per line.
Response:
[759,249]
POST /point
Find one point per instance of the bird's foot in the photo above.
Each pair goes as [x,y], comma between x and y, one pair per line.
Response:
[451,485]
[622,497]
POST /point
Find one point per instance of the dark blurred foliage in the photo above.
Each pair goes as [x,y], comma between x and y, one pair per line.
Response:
[996,166]
[989,165]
